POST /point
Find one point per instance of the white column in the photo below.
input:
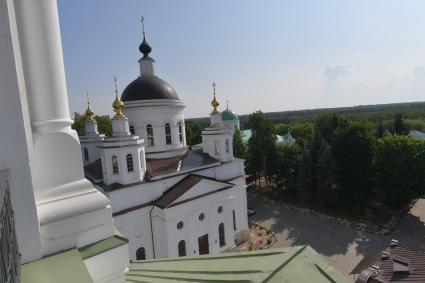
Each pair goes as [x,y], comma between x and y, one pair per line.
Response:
[70,211]
[16,136]
[41,48]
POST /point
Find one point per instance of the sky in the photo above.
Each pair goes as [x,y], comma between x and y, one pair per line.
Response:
[272,55]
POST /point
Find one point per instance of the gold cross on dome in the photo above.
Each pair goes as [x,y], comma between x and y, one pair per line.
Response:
[143,26]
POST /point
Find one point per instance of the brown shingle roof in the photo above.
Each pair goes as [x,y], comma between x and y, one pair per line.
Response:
[188,161]
[93,171]
[385,267]
[181,187]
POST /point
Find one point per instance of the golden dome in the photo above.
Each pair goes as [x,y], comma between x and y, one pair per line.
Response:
[117,104]
[89,114]
[214,103]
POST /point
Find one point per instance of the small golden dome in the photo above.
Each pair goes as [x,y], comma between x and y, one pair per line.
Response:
[89,114]
[214,103]
[117,104]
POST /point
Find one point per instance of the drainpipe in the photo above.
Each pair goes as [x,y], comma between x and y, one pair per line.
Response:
[153,243]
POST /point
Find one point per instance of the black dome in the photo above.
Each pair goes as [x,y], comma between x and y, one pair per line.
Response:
[144,88]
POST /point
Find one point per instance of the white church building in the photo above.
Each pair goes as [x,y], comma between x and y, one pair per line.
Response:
[167,199]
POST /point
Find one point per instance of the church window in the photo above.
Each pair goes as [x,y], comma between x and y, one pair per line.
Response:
[86,154]
[180,131]
[130,163]
[221,234]
[114,164]
[216,148]
[201,217]
[180,225]
[149,134]
[182,248]
[234,220]
[141,253]
[167,133]
[220,209]
[227,145]
[132,130]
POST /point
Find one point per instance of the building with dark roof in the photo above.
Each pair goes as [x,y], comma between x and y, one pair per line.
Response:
[395,264]
[166,199]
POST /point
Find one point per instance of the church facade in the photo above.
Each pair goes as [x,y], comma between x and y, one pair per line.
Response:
[167,199]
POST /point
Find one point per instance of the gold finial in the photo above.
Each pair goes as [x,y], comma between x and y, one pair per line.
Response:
[214,103]
[143,26]
[89,112]
[118,104]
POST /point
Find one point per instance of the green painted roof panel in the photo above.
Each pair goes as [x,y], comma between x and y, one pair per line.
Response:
[104,245]
[65,267]
[296,264]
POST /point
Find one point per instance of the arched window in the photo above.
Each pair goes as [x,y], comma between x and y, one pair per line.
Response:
[182,248]
[130,163]
[180,131]
[114,164]
[86,154]
[216,148]
[221,234]
[149,134]
[167,133]
[227,146]
[141,253]
[132,131]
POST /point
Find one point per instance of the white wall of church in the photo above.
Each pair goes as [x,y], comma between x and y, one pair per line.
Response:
[193,228]
[136,227]
[123,176]
[157,116]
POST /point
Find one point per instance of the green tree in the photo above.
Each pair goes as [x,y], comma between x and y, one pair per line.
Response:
[261,146]
[306,184]
[104,124]
[287,158]
[352,148]
[78,124]
[399,170]
[380,130]
[399,128]
[239,148]
[326,175]
[193,133]
[327,124]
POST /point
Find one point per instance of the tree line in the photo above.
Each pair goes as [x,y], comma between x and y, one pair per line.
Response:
[337,161]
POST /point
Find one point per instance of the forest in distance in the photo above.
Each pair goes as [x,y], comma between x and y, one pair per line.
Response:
[413,114]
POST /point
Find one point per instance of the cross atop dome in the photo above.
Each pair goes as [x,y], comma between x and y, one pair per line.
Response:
[144,48]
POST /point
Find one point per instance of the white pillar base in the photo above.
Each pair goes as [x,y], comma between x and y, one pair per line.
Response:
[74,220]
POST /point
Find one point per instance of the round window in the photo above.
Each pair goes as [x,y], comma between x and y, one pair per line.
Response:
[201,216]
[220,209]
[180,225]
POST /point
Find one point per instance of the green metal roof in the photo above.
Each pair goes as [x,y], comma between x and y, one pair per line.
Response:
[66,267]
[417,134]
[296,264]
[104,245]
[228,114]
